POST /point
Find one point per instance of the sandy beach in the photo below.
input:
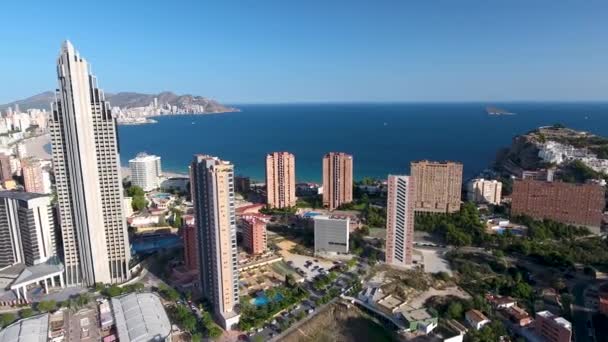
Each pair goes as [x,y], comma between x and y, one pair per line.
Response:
[35,146]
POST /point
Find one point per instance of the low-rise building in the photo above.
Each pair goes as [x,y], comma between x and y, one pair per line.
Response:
[331,234]
[500,302]
[34,329]
[518,316]
[552,328]
[141,317]
[476,319]
[391,304]
[419,320]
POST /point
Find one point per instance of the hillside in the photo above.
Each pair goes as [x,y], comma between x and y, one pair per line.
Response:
[127,100]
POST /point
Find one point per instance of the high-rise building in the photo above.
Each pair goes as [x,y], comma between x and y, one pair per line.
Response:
[242,184]
[552,328]
[27,233]
[33,176]
[87,175]
[577,204]
[254,235]
[481,190]
[212,186]
[438,186]
[145,171]
[337,179]
[5,167]
[331,234]
[400,220]
[281,180]
[190,248]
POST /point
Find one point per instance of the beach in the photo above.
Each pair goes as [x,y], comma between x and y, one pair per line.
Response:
[35,146]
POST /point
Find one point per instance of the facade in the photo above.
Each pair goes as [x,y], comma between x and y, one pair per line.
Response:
[254,235]
[27,231]
[438,186]
[400,220]
[190,248]
[331,234]
[576,204]
[481,190]
[552,328]
[281,180]
[212,186]
[145,171]
[5,167]
[33,177]
[87,174]
[337,179]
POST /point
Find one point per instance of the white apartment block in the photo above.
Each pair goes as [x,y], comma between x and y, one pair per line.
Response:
[145,171]
[481,190]
[87,174]
[400,220]
[331,234]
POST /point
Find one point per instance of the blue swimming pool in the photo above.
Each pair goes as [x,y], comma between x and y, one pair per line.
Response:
[263,300]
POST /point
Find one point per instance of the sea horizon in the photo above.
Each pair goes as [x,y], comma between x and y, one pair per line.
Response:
[382,137]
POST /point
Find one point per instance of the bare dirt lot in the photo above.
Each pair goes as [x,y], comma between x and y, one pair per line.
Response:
[339,323]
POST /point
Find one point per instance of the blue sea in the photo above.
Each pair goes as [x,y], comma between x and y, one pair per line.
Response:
[383,138]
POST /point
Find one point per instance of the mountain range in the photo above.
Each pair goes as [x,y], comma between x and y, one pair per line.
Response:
[127,100]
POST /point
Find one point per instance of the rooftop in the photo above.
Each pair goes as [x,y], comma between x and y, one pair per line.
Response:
[32,329]
[559,320]
[390,302]
[476,315]
[21,195]
[416,315]
[140,317]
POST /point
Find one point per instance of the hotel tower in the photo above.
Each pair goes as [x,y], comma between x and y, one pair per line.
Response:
[212,187]
[400,220]
[87,174]
[281,180]
[337,179]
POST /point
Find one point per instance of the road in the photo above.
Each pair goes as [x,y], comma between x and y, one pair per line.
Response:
[581,315]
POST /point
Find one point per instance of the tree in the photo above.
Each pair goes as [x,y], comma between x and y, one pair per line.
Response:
[27,312]
[6,319]
[46,306]
[455,310]
[138,203]
[83,299]
[113,291]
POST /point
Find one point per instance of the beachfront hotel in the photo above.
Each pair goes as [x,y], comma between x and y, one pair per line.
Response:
[337,179]
[281,180]
[87,174]
[438,186]
[145,171]
[400,220]
[212,186]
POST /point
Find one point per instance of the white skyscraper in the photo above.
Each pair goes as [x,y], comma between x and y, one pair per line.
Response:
[400,220]
[145,171]
[87,173]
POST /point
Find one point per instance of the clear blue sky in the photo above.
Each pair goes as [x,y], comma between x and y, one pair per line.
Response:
[316,50]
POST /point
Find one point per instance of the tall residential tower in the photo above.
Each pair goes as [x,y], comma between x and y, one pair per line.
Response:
[212,186]
[400,220]
[87,174]
[337,179]
[281,179]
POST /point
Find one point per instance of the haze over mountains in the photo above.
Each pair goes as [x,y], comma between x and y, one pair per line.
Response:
[127,100]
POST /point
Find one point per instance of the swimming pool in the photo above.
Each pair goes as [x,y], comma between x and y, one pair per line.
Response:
[162,195]
[263,300]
